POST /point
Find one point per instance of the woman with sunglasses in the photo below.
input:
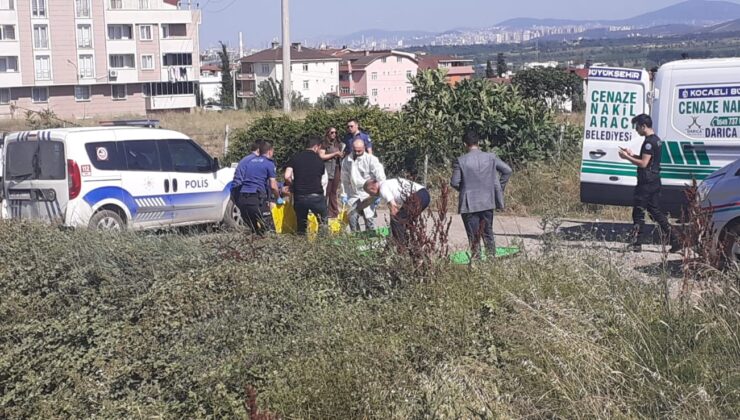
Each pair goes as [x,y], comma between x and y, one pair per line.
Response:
[331,154]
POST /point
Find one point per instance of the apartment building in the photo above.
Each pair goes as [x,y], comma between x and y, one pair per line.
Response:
[456,68]
[82,58]
[313,73]
[380,76]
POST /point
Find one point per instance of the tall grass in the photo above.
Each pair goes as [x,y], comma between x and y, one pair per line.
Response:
[165,325]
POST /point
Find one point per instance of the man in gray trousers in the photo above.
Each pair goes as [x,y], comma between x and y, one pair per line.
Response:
[480,178]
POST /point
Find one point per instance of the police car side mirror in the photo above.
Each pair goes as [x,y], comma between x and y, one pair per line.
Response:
[215,165]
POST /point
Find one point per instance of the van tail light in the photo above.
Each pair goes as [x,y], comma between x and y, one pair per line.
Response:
[74,179]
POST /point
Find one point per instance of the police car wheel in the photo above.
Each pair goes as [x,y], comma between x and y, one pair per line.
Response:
[232,216]
[731,245]
[107,220]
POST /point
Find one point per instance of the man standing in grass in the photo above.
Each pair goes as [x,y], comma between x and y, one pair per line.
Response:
[480,178]
[303,174]
[647,192]
[354,133]
[357,168]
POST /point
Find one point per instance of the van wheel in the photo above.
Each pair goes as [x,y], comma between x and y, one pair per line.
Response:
[731,245]
[107,220]
[232,216]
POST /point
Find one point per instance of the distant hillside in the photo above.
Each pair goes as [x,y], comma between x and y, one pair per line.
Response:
[691,12]
[731,26]
[383,34]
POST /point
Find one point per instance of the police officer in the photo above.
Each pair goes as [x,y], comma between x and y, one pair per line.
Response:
[236,186]
[647,192]
[257,174]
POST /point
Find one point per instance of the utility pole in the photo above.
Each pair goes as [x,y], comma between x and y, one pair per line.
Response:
[286,57]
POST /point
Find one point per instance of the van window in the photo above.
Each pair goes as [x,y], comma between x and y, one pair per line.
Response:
[105,156]
[142,155]
[187,157]
[37,160]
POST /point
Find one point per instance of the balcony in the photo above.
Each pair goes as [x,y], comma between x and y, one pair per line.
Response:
[132,5]
[459,70]
[245,76]
[155,103]
[179,74]
[246,94]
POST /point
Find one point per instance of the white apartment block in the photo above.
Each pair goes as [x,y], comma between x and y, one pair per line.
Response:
[313,73]
[82,58]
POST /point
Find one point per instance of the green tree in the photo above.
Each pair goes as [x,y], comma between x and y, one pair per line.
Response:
[550,85]
[270,96]
[360,101]
[489,70]
[328,101]
[226,96]
[501,66]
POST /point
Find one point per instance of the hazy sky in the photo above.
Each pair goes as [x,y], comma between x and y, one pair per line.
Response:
[259,20]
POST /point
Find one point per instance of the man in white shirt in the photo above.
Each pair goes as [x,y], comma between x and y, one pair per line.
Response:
[357,168]
[406,200]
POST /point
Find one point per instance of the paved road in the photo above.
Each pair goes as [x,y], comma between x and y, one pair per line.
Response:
[609,237]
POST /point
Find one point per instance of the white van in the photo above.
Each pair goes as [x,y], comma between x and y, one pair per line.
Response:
[695,106]
[114,178]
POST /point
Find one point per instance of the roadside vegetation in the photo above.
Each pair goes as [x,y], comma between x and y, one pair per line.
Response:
[189,326]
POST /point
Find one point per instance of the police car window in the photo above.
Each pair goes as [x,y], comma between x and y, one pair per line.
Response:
[37,160]
[187,157]
[105,156]
[141,155]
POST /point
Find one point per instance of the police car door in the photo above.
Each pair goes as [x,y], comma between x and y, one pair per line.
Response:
[197,195]
[614,97]
[147,183]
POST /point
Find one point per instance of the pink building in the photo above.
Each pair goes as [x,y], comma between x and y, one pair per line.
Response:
[380,76]
[456,69]
[82,58]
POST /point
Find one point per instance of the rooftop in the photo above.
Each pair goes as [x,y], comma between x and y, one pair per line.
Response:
[297,53]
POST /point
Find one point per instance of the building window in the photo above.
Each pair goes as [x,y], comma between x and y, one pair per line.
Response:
[43,67]
[305,85]
[82,93]
[383,60]
[147,62]
[4,96]
[177,59]
[7,33]
[8,64]
[116,4]
[86,66]
[119,32]
[265,69]
[174,30]
[143,4]
[167,89]
[7,5]
[38,8]
[40,95]
[305,67]
[399,59]
[374,76]
[409,90]
[375,92]
[122,61]
[82,8]
[84,36]
[118,92]
[145,32]
[41,37]
[331,70]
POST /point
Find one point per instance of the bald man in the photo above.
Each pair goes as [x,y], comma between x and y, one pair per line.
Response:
[359,167]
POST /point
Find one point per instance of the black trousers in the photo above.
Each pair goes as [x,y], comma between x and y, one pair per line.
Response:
[480,225]
[411,209]
[647,198]
[302,204]
[251,206]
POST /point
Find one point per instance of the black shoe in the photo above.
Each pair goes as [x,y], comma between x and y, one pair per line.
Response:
[675,247]
[636,247]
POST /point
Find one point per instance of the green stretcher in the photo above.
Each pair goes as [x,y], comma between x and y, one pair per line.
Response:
[370,240]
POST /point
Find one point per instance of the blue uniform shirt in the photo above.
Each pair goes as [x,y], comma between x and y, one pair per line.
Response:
[254,173]
[364,136]
[239,173]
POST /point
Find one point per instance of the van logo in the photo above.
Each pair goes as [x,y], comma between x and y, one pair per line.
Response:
[694,128]
[102,153]
[685,93]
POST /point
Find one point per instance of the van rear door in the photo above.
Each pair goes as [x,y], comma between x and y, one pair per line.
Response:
[614,97]
[35,178]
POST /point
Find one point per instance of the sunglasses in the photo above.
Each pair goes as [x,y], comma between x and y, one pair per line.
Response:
[332,132]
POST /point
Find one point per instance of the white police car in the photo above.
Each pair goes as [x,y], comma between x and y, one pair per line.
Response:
[720,192]
[114,178]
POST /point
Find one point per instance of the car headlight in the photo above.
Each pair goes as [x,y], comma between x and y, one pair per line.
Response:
[705,188]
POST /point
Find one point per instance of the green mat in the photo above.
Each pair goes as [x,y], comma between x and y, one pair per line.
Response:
[463,257]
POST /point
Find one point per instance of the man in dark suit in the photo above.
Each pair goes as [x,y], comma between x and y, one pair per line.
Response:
[480,178]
